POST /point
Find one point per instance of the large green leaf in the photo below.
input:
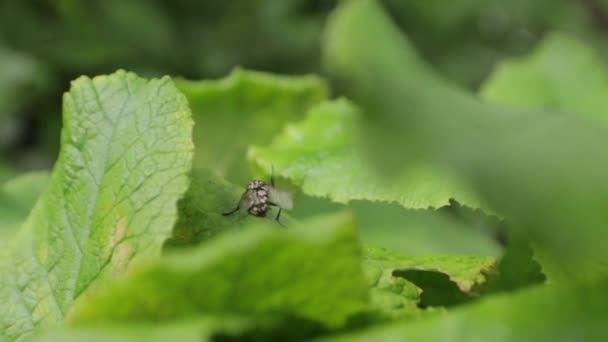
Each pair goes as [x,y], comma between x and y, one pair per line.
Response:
[545,172]
[425,232]
[311,271]
[537,314]
[551,78]
[194,330]
[414,231]
[17,198]
[244,108]
[205,328]
[126,151]
[319,155]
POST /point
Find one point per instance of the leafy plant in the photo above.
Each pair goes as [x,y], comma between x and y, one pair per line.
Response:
[251,105]
[126,152]
[423,211]
[311,152]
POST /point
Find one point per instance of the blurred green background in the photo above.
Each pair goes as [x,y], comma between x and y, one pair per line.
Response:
[45,44]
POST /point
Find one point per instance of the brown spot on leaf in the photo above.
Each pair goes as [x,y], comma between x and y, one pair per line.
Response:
[121,258]
[115,238]
[119,232]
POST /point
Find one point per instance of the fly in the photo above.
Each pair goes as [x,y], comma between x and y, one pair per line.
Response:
[260,197]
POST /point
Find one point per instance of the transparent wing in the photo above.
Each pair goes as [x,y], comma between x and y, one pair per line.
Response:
[282,199]
[246,201]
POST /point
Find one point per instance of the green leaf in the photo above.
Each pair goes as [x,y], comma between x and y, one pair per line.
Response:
[125,154]
[464,271]
[536,314]
[517,268]
[319,155]
[195,330]
[416,232]
[550,78]
[205,328]
[17,198]
[413,232]
[391,297]
[311,271]
[545,172]
[399,283]
[245,108]
[201,208]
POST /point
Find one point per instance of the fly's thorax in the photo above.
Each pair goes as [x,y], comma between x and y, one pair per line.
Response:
[255,199]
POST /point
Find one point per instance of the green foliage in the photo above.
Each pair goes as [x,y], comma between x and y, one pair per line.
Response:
[551,78]
[251,106]
[423,210]
[415,232]
[571,313]
[196,330]
[311,271]
[518,268]
[465,271]
[20,77]
[193,330]
[126,150]
[201,39]
[399,283]
[545,186]
[510,156]
[312,152]
[201,208]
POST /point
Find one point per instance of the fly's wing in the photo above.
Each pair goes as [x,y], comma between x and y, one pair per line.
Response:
[282,199]
[246,201]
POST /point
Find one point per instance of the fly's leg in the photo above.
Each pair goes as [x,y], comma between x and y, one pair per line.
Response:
[272,176]
[231,212]
[277,219]
[278,214]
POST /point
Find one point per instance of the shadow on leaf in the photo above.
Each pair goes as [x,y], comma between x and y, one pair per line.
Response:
[437,288]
